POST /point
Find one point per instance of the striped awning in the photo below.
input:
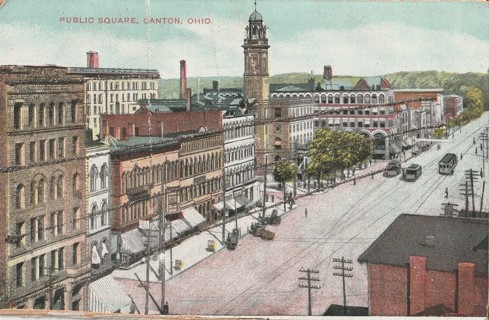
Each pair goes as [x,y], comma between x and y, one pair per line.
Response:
[193,217]
[107,296]
[132,241]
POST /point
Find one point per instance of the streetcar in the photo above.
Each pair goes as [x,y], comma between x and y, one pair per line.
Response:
[413,172]
[447,163]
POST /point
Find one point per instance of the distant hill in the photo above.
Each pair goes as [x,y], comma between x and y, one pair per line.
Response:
[452,83]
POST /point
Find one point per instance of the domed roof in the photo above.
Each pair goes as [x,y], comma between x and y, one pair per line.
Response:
[256,16]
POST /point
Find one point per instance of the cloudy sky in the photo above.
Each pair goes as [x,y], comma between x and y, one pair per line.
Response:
[356,37]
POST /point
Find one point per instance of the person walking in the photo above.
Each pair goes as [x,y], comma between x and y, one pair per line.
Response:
[461,156]
[372,175]
[305,212]
[446,192]
[355,181]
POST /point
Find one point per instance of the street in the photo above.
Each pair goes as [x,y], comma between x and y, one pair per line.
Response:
[261,277]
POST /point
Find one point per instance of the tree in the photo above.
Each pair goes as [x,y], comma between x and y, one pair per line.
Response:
[439,132]
[284,171]
[333,150]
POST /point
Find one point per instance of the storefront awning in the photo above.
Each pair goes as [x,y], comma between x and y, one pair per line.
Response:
[107,296]
[242,200]
[394,149]
[330,121]
[132,241]
[179,226]
[193,217]
[233,204]
[337,121]
[218,205]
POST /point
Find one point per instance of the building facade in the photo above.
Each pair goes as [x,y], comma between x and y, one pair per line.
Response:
[239,156]
[428,266]
[99,219]
[114,91]
[43,263]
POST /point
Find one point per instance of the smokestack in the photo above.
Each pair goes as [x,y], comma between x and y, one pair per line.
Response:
[92,59]
[189,99]
[183,80]
[215,85]
[328,73]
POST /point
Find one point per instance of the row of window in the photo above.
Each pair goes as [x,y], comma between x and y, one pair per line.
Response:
[45,265]
[355,124]
[98,218]
[301,126]
[373,111]
[239,175]
[95,175]
[300,111]
[136,211]
[197,190]
[42,115]
[243,130]
[348,99]
[121,85]
[37,192]
[44,150]
[239,153]
[99,99]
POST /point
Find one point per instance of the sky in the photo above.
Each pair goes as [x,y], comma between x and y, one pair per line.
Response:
[364,38]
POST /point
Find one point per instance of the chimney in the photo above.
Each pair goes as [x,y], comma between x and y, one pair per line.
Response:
[189,99]
[92,59]
[215,85]
[183,80]
[328,73]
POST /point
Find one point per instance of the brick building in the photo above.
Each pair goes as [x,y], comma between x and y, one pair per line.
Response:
[454,105]
[43,263]
[428,265]
[175,154]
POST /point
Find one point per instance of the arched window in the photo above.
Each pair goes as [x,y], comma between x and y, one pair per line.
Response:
[40,190]
[93,178]
[93,216]
[103,176]
[20,197]
[104,214]
[76,182]
[60,187]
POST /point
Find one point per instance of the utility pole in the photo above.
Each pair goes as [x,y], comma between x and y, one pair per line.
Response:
[162,258]
[224,208]
[309,286]
[342,273]
[482,198]
[265,188]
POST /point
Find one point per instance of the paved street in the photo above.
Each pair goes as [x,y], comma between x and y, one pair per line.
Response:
[261,277]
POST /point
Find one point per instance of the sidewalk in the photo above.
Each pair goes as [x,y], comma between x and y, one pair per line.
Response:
[195,249]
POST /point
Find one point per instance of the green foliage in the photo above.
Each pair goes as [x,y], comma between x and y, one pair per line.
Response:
[474,101]
[284,171]
[439,132]
[336,150]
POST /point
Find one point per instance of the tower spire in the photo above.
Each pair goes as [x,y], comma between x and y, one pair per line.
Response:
[255,5]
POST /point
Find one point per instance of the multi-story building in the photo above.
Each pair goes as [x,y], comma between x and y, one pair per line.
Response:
[454,105]
[239,155]
[43,263]
[99,219]
[113,90]
[176,154]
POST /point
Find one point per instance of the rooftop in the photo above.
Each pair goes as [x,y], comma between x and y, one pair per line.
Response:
[114,71]
[451,241]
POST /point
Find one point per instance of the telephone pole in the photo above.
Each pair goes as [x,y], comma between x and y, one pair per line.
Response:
[309,286]
[265,188]
[342,273]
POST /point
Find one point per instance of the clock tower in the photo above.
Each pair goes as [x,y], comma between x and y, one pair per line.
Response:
[257,79]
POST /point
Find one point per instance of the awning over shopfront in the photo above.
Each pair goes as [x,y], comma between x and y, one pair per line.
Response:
[179,226]
[242,200]
[132,241]
[394,149]
[337,121]
[107,296]
[367,120]
[330,121]
[193,217]
[218,205]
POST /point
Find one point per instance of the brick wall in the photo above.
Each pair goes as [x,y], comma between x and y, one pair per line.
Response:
[388,290]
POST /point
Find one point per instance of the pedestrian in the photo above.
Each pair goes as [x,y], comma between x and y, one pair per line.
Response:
[305,212]
[475,150]
[446,192]
[355,181]
[473,140]
[370,161]
[461,156]
[372,175]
